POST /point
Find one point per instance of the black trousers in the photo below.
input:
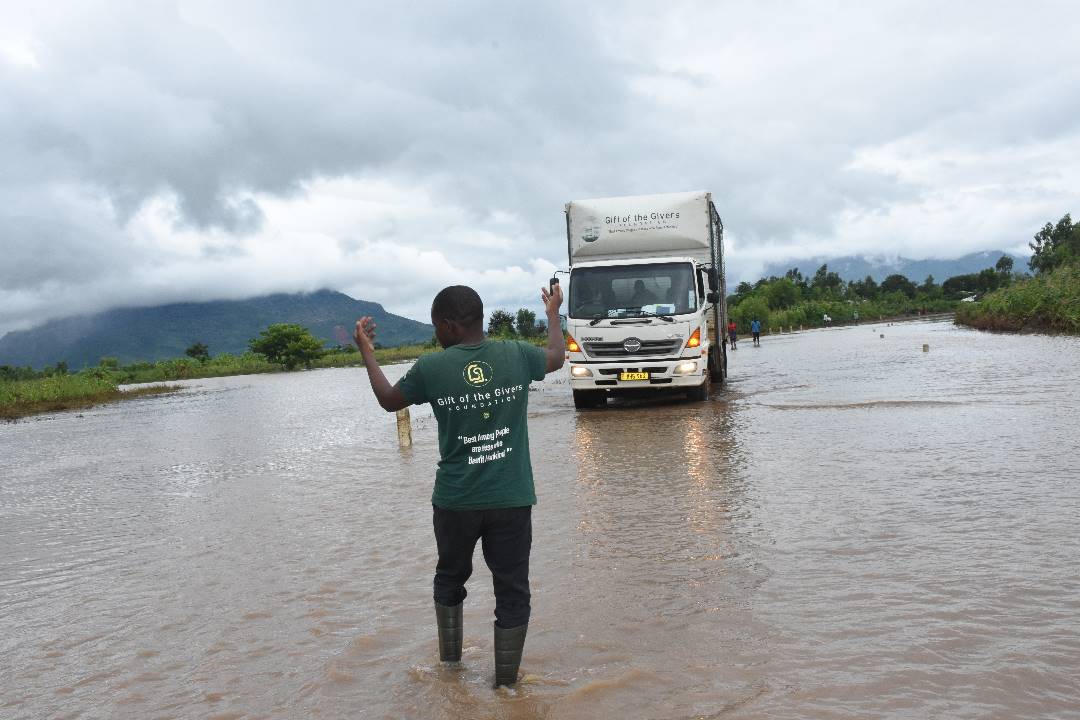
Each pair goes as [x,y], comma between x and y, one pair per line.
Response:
[506,539]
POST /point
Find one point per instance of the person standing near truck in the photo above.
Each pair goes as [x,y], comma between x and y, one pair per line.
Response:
[732,337]
[478,390]
[755,329]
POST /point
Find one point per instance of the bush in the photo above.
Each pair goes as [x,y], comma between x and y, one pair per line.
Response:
[288,344]
[501,324]
[1049,302]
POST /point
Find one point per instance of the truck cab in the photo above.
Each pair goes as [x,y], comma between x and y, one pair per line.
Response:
[644,303]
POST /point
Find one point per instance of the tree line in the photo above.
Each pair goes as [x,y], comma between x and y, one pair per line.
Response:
[776,301]
[1047,302]
[1056,245]
[284,345]
[796,300]
[287,345]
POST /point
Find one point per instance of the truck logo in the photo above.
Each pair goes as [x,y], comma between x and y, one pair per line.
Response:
[590,231]
[631,345]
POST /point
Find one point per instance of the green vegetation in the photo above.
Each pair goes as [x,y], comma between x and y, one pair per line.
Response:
[166,331]
[24,391]
[525,323]
[350,356]
[981,282]
[252,363]
[199,351]
[500,324]
[793,301]
[1055,246]
[289,345]
[521,326]
[1048,302]
[187,368]
[55,392]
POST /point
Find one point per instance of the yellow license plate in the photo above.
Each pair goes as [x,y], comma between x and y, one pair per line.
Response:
[634,376]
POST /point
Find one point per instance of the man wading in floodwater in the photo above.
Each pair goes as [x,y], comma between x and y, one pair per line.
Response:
[479,391]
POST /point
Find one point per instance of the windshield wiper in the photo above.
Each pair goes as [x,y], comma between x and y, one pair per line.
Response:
[637,314]
[646,313]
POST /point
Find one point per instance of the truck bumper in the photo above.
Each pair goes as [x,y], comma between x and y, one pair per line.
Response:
[663,374]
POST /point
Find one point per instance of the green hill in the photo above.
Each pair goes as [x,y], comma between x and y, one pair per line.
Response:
[165,331]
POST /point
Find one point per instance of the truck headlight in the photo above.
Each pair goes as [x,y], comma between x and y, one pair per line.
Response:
[685,368]
[579,371]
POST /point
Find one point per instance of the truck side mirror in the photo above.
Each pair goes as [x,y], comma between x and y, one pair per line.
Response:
[713,296]
[713,280]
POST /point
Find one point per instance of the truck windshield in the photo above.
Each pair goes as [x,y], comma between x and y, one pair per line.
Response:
[621,291]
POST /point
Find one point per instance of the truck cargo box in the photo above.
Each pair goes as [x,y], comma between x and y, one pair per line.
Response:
[640,226]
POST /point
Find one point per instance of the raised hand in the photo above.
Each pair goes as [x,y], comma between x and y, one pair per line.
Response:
[552,300]
[364,335]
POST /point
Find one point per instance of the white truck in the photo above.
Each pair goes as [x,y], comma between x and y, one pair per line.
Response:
[646,307]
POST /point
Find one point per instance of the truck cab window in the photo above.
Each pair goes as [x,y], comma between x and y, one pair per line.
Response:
[632,290]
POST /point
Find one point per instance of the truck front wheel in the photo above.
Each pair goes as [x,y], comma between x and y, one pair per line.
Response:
[715,372]
[584,399]
[701,392]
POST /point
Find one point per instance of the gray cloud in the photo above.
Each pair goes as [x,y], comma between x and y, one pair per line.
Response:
[159,151]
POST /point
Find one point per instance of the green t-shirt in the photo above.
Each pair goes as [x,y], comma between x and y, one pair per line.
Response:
[480,396]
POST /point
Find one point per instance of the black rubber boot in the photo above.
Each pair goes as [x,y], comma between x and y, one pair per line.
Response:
[509,643]
[448,619]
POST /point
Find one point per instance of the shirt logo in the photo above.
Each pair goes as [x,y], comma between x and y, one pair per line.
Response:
[477,373]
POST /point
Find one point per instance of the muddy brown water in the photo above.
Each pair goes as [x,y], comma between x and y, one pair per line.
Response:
[854,528]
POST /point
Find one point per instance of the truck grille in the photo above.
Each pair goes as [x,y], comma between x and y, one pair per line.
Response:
[649,348]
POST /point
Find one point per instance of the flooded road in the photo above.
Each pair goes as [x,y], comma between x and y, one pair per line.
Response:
[854,528]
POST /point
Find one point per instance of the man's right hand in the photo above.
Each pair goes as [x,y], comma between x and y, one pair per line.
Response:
[364,335]
[551,300]
[556,346]
[389,396]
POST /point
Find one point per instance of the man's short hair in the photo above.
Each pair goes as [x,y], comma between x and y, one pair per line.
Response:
[459,303]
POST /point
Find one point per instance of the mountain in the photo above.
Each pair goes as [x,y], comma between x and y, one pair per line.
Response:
[858,267]
[165,331]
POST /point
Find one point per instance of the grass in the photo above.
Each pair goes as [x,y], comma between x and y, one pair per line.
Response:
[20,398]
[403,353]
[251,364]
[385,356]
[808,314]
[1045,303]
[64,392]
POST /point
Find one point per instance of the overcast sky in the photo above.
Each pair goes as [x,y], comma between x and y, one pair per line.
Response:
[162,151]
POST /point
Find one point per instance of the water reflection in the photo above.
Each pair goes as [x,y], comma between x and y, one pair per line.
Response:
[639,464]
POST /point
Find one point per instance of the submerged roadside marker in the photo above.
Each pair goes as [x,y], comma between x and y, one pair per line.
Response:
[404,428]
